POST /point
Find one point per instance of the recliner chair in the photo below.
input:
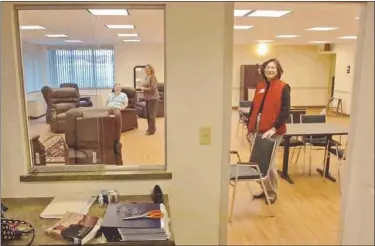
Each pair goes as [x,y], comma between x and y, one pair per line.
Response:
[93,136]
[83,101]
[59,101]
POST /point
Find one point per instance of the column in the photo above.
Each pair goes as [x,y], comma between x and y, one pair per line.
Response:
[357,216]
[199,44]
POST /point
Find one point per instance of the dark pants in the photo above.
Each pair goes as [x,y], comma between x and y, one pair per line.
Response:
[151,108]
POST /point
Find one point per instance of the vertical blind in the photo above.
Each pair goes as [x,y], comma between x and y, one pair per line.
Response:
[88,68]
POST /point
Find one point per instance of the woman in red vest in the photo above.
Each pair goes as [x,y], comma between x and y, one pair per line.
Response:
[268,114]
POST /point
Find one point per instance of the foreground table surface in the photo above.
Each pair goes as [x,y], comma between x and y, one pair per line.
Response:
[316,128]
[29,209]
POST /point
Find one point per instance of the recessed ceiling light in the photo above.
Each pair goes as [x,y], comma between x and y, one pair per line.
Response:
[108,11]
[348,37]
[264,41]
[120,26]
[269,13]
[32,28]
[240,12]
[127,35]
[242,27]
[56,36]
[321,29]
[318,42]
[131,40]
[287,36]
[73,41]
[356,18]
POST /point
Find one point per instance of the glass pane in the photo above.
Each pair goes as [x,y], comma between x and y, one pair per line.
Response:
[71,70]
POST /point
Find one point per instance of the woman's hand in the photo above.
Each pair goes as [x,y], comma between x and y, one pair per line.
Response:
[269,133]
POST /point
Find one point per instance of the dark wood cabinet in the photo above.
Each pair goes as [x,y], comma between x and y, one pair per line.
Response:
[249,78]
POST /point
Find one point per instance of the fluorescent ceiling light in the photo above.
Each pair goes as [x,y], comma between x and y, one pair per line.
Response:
[127,35]
[318,42]
[108,11]
[264,41]
[131,40]
[32,28]
[348,37]
[356,18]
[240,12]
[56,36]
[73,41]
[120,26]
[242,27]
[269,13]
[287,36]
[321,29]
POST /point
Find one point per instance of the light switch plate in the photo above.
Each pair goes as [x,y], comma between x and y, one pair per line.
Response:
[205,136]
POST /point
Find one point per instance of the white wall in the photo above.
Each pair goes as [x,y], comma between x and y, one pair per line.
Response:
[357,211]
[305,70]
[345,56]
[188,161]
[35,71]
[129,55]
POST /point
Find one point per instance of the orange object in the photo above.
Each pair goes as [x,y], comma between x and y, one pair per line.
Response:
[153,214]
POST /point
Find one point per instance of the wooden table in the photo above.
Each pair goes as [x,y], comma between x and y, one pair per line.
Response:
[310,129]
[29,209]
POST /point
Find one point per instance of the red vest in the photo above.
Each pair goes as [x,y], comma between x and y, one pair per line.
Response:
[271,107]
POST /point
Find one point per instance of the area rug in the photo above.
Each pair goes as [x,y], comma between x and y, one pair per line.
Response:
[55,151]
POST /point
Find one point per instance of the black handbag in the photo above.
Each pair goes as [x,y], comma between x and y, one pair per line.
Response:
[10,228]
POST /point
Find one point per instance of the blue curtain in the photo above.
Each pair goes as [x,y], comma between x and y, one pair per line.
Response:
[89,68]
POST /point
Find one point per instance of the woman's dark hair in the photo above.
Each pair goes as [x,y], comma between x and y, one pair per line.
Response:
[280,70]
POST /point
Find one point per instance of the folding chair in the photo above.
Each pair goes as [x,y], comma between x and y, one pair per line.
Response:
[334,150]
[317,142]
[243,117]
[257,169]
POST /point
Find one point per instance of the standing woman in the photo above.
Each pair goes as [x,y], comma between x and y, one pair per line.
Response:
[151,96]
[268,114]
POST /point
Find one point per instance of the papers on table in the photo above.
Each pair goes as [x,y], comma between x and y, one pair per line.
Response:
[77,202]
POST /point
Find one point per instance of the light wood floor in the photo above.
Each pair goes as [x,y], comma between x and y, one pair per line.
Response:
[306,212]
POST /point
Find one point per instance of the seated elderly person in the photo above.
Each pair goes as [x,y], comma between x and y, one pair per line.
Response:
[117,99]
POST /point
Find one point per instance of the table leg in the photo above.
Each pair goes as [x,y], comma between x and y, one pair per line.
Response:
[284,173]
[328,160]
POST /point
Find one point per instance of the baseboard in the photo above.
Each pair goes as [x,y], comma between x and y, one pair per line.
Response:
[36,117]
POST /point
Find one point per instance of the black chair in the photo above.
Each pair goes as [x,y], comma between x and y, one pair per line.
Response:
[243,116]
[257,169]
[340,153]
[316,142]
[294,141]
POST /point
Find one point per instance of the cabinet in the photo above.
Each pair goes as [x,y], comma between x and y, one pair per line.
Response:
[249,78]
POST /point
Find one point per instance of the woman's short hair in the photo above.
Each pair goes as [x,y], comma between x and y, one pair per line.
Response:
[280,70]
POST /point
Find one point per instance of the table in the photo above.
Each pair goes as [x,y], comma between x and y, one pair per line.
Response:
[29,209]
[309,129]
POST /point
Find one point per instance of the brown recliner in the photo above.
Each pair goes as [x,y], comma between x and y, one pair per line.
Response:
[83,101]
[141,105]
[59,101]
[93,136]
[129,115]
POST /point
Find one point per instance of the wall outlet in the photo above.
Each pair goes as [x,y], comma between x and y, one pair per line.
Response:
[205,136]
